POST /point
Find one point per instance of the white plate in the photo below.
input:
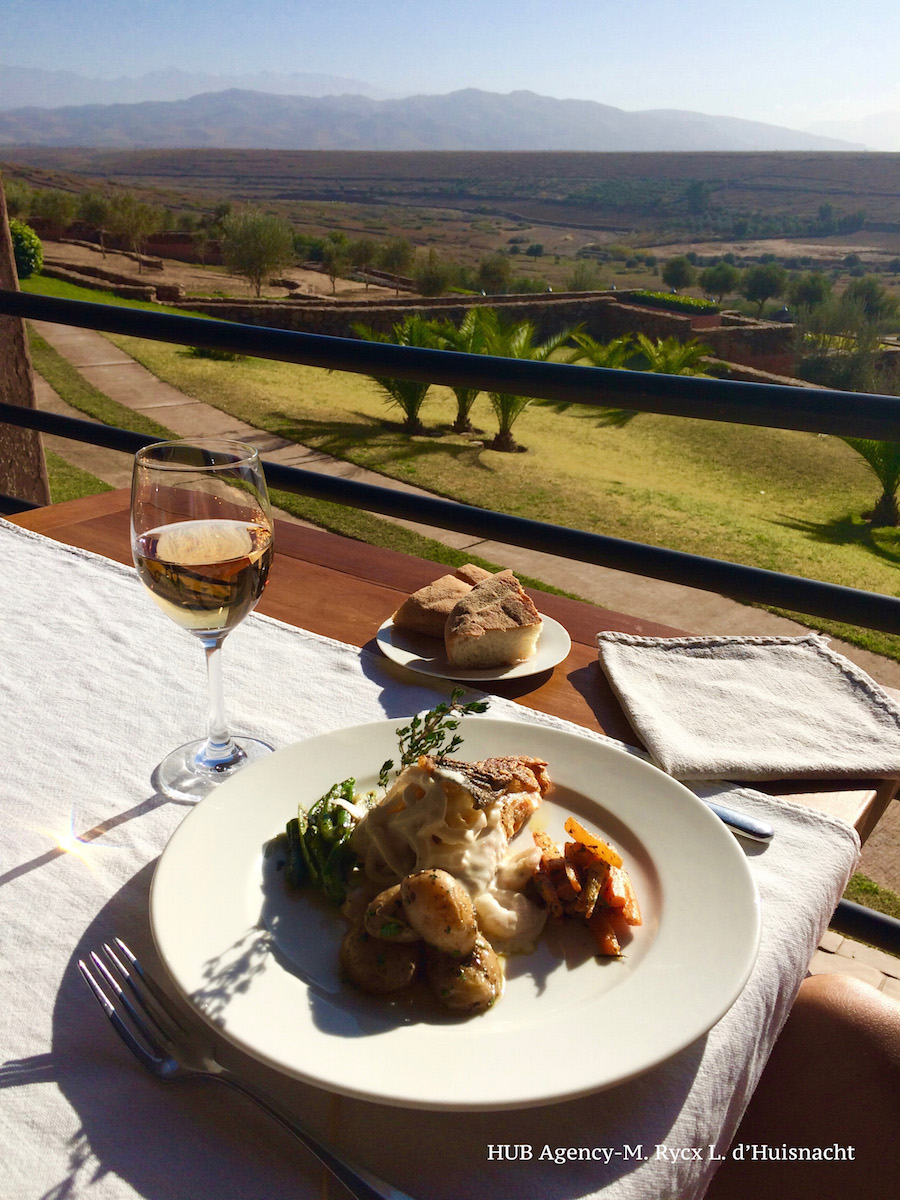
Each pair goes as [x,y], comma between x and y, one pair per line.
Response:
[425,655]
[261,964]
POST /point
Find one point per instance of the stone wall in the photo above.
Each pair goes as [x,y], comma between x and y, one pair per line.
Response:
[126,287]
[761,345]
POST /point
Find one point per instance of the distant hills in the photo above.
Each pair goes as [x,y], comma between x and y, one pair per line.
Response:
[22,87]
[239,118]
[880,131]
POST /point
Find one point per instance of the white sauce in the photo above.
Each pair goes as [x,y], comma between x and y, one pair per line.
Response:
[429,819]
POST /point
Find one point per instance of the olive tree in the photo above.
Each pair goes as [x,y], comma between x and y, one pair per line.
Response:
[720,280]
[679,272]
[363,256]
[94,211]
[494,274]
[335,257]
[255,244]
[763,282]
[396,257]
[133,221]
[808,290]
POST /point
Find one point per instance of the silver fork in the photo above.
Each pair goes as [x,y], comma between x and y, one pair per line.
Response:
[153,1033]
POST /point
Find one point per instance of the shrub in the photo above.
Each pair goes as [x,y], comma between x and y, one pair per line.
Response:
[27,249]
[675,303]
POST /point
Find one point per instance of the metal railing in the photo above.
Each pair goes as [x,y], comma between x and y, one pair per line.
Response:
[807,409]
[849,414]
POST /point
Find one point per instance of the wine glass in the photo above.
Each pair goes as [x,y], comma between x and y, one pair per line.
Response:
[202,541]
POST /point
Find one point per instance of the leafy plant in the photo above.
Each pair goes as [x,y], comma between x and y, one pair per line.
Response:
[515,341]
[427,733]
[675,303]
[668,356]
[763,282]
[469,337]
[678,272]
[407,394]
[637,352]
[884,459]
[27,249]
[254,244]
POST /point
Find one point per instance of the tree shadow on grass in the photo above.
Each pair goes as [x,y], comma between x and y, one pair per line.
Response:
[343,438]
[848,530]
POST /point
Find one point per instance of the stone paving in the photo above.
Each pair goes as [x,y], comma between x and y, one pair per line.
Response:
[118,376]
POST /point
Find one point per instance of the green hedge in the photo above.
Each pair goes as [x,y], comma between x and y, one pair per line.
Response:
[27,249]
[675,303]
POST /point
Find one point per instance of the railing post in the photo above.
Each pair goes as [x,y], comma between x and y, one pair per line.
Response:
[23,470]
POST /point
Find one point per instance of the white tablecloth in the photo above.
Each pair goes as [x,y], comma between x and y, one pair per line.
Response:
[97,686]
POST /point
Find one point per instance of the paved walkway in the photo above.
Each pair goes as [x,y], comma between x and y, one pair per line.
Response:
[117,375]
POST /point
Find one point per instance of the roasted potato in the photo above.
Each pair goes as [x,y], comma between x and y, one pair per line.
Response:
[376,966]
[385,917]
[440,910]
[465,985]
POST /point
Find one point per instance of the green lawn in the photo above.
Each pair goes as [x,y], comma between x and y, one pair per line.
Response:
[777,499]
[771,498]
[871,895]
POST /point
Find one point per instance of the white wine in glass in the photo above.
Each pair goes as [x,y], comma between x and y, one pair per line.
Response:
[202,541]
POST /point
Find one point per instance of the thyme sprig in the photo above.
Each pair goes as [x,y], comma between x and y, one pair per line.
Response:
[427,733]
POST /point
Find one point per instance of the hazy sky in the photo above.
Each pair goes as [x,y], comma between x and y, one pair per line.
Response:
[789,62]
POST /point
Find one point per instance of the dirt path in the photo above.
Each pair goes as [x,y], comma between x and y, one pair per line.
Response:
[198,280]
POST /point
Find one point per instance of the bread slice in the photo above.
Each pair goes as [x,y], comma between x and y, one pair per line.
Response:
[426,611]
[494,625]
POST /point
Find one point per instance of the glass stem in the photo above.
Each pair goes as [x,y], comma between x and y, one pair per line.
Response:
[220,750]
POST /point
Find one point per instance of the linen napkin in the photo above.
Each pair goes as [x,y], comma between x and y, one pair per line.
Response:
[753,708]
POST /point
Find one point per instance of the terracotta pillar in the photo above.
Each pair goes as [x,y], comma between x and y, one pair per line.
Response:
[23,471]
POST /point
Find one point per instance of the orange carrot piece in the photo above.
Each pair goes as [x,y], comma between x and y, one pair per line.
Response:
[548,893]
[548,848]
[631,910]
[603,933]
[600,848]
[615,893]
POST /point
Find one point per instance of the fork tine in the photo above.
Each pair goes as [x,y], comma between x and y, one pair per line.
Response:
[160,997]
[148,1029]
[140,1052]
[156,1018]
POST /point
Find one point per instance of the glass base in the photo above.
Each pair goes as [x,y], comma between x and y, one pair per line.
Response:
[190,773]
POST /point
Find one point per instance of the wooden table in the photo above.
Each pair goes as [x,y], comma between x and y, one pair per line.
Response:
[345,589]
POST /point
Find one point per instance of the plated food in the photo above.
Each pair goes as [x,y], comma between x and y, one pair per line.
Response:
[432,878]
[259,962]
[473,626]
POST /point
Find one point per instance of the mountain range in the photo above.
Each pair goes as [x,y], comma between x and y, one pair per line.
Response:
[469,119]
[22,87]
[880,131]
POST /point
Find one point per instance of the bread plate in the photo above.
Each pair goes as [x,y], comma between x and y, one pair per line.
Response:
[426,655]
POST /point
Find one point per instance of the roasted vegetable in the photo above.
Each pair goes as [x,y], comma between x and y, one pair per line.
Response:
[318,849]
[586,879]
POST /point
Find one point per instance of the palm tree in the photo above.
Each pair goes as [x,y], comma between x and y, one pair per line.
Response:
[669,356]
[884,459]
[413,330]
[470,337]
[637,352]
[515,341]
